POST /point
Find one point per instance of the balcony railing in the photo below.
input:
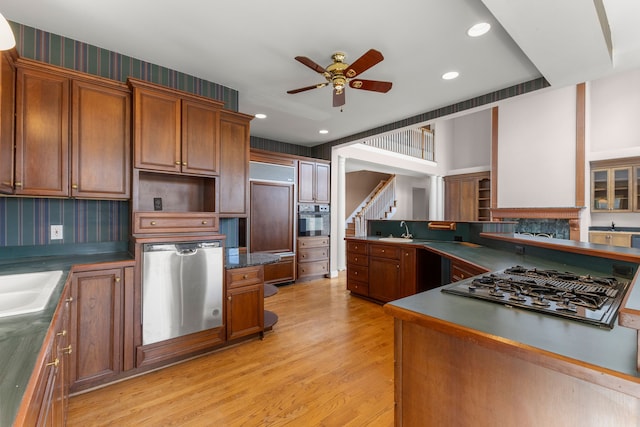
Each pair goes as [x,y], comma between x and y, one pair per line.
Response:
[417,143]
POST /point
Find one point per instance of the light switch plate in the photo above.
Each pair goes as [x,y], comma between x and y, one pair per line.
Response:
[56,232]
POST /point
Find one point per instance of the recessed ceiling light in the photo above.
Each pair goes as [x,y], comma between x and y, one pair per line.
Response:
[323,131]
[450,75]
[261,116]
[479,29]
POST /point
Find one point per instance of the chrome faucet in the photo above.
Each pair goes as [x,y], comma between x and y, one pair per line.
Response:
[406,235]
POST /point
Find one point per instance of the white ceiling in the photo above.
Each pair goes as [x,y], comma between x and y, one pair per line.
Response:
[250,45]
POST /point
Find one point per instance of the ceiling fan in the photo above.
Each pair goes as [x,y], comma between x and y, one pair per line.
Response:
[339,74]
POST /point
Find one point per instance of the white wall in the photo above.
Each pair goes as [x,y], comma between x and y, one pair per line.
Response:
[536,150]
[404,195]
[471,141]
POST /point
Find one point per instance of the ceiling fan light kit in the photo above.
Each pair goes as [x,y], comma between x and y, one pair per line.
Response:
[339,75]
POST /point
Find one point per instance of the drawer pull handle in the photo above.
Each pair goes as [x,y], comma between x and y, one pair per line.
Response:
[56,362]
[67,350]
[70,299]
[62,333]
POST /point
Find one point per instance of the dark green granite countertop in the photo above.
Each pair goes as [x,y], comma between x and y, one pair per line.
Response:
[613,350]
[22,336]
[233,260]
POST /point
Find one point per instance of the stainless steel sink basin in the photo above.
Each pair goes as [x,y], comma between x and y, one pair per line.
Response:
[26,293]
[395,239]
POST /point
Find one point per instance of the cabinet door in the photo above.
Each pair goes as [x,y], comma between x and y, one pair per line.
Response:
[42,134]
[323,183]
[96,326]
[306,172]
[245,311]
[100,142]
[200,138]
[7,105]
[384,278]
[234,165]
[156,130]
[611,189]
[271,220]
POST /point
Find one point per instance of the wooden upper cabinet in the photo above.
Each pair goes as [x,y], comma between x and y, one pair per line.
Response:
[42,133]
[101,141]
[200,138]
[156,130]
[7,108]
[313,182]
[467,197]
[175,132]
[234,166]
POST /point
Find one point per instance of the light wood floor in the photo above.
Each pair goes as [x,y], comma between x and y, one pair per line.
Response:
[327,362]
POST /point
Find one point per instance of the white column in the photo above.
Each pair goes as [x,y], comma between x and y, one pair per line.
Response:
[337,252]
[433,197]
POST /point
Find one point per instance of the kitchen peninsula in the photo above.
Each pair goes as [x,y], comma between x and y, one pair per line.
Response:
[463,361]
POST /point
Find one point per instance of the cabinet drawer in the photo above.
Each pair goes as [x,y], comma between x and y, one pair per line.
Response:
[168,222]
[384,251]
[312,242]
[357,272]
[312,268]
[461,271]
[238,277]
[358,287]
[359,259]
[279,272]
[357,247]
[313,254]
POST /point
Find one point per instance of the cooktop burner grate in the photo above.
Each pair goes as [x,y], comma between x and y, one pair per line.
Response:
[593,300]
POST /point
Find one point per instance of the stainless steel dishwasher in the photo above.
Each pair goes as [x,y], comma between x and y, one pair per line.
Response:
[182,285]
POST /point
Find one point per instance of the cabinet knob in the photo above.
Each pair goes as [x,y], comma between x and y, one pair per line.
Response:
[153,223]
[204,222]
[244,276]
[397,265]
[67,350]
[229,297]
[178,162]
[18,184]
[117,280]
[383,251]
[74,186]
[356,259]
[70,299]
[62,333]
[56,362]
[184,163]
[355,273]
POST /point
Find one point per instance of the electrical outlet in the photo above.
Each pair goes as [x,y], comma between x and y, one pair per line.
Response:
[56,232]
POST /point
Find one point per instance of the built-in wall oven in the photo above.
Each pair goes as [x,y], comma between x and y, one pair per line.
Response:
[313,220]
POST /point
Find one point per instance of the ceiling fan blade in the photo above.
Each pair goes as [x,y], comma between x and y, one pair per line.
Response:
[311,64]
[302,89]
[338,98]
[374,85]
[366,61]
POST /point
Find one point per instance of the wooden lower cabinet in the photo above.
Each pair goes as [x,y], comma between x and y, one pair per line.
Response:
[98,325]
[245,301]
[612,238]
[282,271]
[313,257]
[385,272]
[47,395]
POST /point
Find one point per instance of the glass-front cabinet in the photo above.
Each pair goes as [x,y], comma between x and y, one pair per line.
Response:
[611,189]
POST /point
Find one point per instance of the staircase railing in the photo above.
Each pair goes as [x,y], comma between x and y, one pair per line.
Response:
[366,200]
[377,207]
[417,143]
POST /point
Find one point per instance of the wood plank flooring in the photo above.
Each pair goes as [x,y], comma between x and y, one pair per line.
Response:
[327,362]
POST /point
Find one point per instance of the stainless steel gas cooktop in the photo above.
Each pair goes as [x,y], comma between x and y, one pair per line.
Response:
[589,299]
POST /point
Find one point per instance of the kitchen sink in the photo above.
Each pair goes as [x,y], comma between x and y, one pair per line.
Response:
[395,239]
[26,293]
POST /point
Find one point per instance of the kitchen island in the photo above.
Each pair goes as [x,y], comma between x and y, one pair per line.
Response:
[464,361]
